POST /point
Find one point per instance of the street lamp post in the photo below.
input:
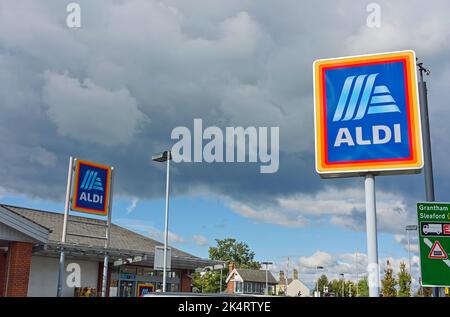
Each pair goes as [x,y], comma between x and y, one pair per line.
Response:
[408,229]
[267,276]
[317,285]
[343,284]
[166,156]
[426,140]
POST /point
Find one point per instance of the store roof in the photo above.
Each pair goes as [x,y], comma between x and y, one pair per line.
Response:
[123,241]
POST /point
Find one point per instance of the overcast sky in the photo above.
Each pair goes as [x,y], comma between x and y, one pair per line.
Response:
[113,90]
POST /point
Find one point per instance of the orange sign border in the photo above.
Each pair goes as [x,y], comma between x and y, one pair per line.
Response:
[103,212]
[412,165]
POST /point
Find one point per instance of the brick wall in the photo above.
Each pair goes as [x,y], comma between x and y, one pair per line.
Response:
[3,263]
[230,286]
[185,283]
[19,259]
[100,280]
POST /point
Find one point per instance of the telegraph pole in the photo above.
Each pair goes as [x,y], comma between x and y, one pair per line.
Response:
[426,140]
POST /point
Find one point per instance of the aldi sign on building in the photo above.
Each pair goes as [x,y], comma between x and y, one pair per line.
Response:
[367,115]
[434,243]
[92,187]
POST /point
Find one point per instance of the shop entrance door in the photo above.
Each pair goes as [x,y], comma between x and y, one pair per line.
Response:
[127,289]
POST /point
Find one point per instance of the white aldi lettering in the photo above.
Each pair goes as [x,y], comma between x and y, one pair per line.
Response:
[97,199]
[381,134]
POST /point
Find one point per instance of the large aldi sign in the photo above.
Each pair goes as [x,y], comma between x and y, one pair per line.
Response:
[367,115]
[434,243]
[92,188]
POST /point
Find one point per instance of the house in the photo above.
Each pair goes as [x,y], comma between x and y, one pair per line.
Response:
[249,281]
[30,244]
[294,286]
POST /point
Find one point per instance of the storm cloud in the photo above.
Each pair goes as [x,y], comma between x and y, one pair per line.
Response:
[113,90]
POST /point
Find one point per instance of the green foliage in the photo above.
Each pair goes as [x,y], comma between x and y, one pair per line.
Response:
[322,281]
[404,281]
[424,292]
[209,282]
[230,250]
[388,283]
[341,288]
[335,287]
[350,289]
[363,288]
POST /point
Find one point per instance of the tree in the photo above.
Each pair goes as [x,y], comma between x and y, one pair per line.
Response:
[208,282]
[404,281]
[239,253]
[363,287]
[322,281]
[350,289]
[335,287]
[388,283]
[228,250]
[424,292]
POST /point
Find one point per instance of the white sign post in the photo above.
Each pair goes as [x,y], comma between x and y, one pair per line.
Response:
[367,123]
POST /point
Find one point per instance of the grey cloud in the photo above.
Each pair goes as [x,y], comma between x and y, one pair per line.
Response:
[228,62]
[90,113]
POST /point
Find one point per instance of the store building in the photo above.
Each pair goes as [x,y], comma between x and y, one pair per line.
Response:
[30,247]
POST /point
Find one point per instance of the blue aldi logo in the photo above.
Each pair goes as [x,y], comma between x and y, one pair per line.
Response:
[91,191]
[366,115]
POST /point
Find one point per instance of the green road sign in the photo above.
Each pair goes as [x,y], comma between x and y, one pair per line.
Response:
[434,242]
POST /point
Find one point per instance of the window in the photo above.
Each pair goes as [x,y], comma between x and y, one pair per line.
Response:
[238,287]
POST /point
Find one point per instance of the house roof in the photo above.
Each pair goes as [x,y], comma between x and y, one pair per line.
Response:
[249,275]
[283,281]
[122,240]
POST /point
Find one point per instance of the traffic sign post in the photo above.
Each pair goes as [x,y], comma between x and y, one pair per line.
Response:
[367,123]
[434,243]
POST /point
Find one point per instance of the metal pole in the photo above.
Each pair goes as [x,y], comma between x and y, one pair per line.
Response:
[317,287]
[166,226]
[108,235]
[426,140]
[372,246]
[61,269]
[357,276]
[409,259]
[221,280]
[428,162]
[286,277]
[267,281]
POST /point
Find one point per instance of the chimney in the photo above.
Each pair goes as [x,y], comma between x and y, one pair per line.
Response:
[295,274]
[231,266]
[281,276]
